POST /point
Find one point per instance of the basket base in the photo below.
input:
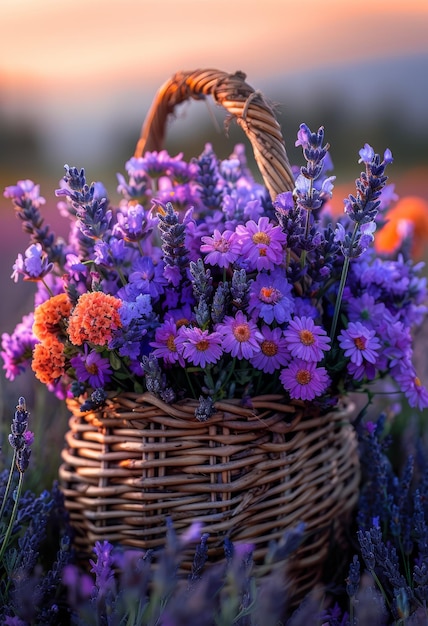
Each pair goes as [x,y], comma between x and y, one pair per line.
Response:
[246,475]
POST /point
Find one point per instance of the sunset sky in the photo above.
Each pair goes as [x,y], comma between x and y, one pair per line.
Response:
[91,61]
[48,44]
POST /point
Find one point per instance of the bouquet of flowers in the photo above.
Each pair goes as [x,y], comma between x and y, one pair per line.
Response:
[199,285]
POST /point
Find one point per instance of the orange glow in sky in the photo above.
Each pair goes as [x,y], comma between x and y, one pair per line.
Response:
[58,44]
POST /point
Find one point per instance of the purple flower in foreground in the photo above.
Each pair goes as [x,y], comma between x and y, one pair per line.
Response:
[359,343]
[199,347]
[303,136]
[306,340]
[165,346]
[262,244]
[25,190]
[20,439]
[222,248]
[304,380]
[17,348]
[365,370]
[273,351]
[134,223]
[270,297]
[410,384]
[366,154]
[241,337]
[148,277]
[92,368]
[34,266]
[102,567]
[365,309]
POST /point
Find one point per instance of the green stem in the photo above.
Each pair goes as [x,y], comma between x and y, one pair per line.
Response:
[121,275]
[307,224]
[48,289]
[339,298]
[12,517]
[9,482]
[342,284]
[381,589]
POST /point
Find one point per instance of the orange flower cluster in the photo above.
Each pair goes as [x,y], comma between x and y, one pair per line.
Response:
[49,316]
[94,319]
[48,360]
[411,212]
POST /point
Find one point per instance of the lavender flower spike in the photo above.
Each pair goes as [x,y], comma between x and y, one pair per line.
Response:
[89,203]
[20,439]
[363,207]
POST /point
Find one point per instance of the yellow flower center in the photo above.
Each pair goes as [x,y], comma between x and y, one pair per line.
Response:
[307,337]
[303,377]
[261,238]
[242,332]
[171,343]
[269,348]
[266,292]
[202,345]
[360,343]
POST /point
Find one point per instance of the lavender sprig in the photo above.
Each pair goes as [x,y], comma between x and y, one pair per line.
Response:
[361,210]
[20,439]
[310,197]
[26,198]
[175,254]
[208,179]
[89,203]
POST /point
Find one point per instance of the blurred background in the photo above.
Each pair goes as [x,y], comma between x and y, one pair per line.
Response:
[77,79]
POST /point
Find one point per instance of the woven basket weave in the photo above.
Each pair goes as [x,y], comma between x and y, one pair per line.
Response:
[246,473]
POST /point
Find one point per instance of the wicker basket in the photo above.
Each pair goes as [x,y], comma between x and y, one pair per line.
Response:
[246,473]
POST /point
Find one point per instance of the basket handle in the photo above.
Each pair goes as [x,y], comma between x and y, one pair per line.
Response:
[246,105]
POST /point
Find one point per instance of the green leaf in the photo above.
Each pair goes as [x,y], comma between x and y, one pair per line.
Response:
[115,361]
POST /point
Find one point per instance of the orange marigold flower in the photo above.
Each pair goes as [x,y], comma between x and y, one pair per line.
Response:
[48,360]
[94,319]
[49,315]
[410,211]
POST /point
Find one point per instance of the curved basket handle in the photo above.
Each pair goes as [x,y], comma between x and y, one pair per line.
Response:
[247,106]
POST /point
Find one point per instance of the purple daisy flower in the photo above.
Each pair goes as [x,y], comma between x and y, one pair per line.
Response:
[262,243]
[273,351]
[92,368]
[365,370]
[365,309]
[222,248]
[304,380]
[241,337]
[306,340]
[410,384]
[270,297]
[148,277]
[165,346]
[199,347]
[359,343]
[17,348]
[134,222]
